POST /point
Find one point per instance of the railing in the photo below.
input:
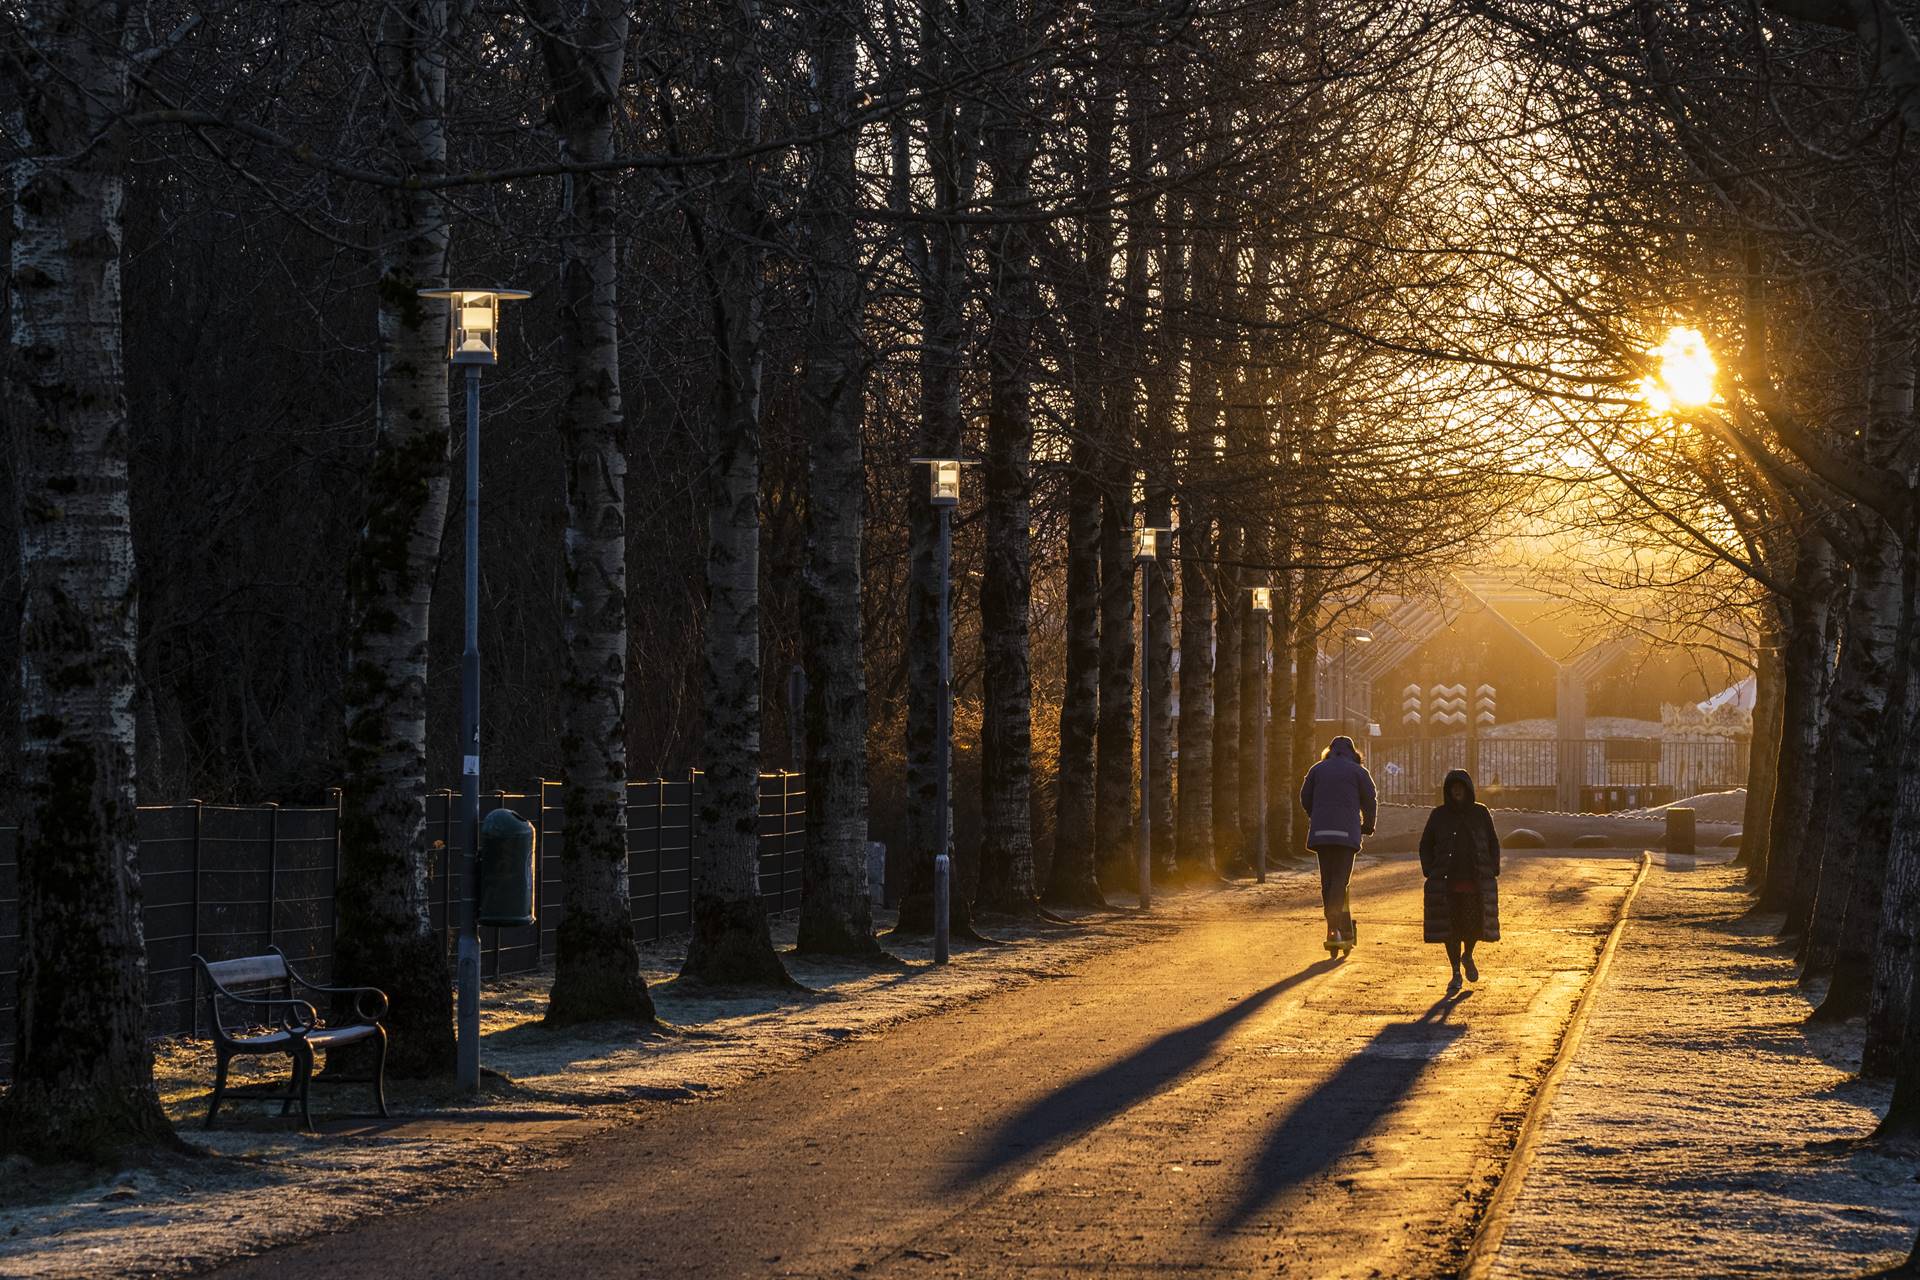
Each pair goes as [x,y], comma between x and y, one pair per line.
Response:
[1611,773]
[227,880]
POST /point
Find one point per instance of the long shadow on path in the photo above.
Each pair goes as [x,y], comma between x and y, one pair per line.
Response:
[1084,1103]
[1327,1123]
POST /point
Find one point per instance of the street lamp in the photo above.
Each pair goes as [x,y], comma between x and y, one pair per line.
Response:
[473,340]
[1261,602]
[1146,552]
[943,475]
[1351,636]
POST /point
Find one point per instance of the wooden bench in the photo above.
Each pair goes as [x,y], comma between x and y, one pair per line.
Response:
[254,1010]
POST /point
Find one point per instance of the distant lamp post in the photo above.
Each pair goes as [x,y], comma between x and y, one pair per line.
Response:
[473,340]
[944,495]
[1146,552]
[1261,602]
[1351,636]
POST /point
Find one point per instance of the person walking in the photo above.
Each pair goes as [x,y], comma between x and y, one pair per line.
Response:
[1460,856]
[1340,801]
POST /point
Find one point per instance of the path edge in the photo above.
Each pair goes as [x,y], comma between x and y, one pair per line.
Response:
[1491,1232]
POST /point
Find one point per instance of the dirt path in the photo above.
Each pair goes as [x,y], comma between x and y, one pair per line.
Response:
[1223,1099]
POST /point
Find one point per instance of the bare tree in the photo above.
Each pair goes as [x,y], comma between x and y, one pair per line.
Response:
[82,1084]
[596,969]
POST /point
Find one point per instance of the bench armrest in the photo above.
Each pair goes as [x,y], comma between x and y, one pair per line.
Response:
[366,1011]
[296,1017]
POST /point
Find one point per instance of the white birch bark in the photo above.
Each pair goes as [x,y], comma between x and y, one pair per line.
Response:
[82,1085]
[730,942]
[596,970]
[836,912]
[383,934]
[1007,877]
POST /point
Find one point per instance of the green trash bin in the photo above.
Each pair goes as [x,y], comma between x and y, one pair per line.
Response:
[506,869]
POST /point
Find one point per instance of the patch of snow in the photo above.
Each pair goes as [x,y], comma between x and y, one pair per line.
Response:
[1704,1128]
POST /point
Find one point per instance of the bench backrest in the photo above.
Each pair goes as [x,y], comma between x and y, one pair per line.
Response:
[248,970]
[243,976]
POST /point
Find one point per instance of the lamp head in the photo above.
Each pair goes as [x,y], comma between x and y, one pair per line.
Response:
[473,322]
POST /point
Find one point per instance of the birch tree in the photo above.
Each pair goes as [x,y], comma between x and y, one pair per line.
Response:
[836,911]
[730,942]
[383,933]
[82,1085]
[596,969]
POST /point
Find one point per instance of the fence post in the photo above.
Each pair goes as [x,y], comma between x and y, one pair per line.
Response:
[659,852]
[446,867]
[539,867]
[273,863]
[199,807]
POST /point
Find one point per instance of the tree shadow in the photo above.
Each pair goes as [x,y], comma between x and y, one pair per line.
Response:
[1086,1102]
[1326,1124]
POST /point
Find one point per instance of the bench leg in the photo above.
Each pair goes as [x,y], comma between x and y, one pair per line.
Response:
[302,1083]
[380,1074]
[219,1087]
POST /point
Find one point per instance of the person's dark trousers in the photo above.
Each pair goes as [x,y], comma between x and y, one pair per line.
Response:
[1336,869]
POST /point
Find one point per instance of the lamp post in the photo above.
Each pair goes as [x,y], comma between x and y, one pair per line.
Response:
[944,495]
[1146,551]
[473,340]
[1261,603]
[1351,636]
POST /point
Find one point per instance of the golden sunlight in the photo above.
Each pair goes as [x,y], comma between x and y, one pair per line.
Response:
[1687,368]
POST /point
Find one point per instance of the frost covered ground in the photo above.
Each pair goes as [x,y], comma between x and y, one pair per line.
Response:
[267,1183]
[1704,1129]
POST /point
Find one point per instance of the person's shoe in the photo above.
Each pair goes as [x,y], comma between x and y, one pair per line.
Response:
[1473,970]
[1453,985]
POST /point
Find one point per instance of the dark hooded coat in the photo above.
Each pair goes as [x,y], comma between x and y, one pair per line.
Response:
[1460,844]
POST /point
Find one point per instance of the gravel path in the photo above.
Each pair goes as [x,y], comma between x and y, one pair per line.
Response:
[1222,1098]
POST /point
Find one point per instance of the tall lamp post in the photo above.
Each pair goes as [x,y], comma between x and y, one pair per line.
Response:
[1262,606]
[944,495]
[1146,552]
[473,340]
[1351,636]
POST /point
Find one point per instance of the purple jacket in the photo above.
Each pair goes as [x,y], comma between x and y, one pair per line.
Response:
[1339,798]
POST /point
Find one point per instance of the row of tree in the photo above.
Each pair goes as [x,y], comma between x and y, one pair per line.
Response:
[1148,263]
[1744,172]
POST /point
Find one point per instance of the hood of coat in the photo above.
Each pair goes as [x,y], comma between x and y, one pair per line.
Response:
[1343,746]
[1446,788]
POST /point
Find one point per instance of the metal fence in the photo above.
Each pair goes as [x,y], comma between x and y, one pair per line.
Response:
[228,880]
[1612,773]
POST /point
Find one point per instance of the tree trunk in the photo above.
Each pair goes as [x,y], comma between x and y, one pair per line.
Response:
[1803,684]
[1195,836]
[1254,700]
[941,263]
[1763,756]
[729,940]
[1892,1044]
[1071,880]
[836,908]
[383,932]
[596,968]
[1006,587]
[1228,614]
[1850,991]
[1159,700]
[1114,813]
[1849,768]
[1279,795]
[82,1073]
[1306,706]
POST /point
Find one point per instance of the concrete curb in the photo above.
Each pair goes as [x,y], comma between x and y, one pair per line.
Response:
[1492,1228]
